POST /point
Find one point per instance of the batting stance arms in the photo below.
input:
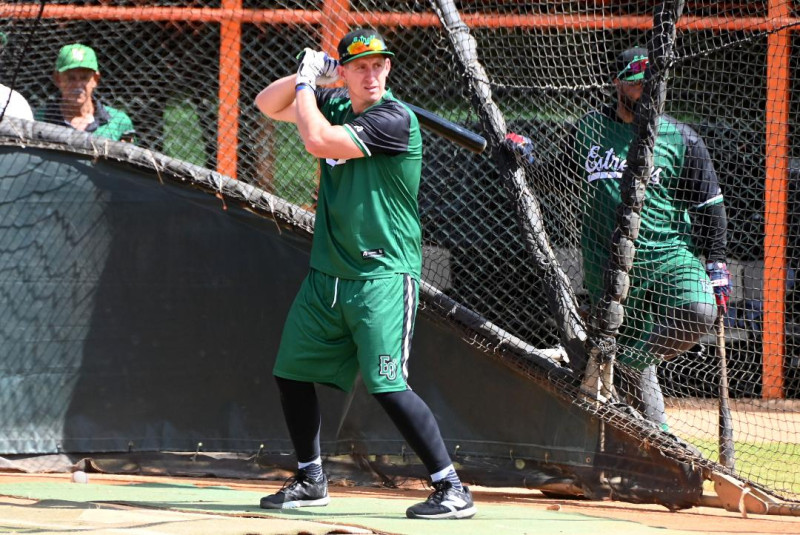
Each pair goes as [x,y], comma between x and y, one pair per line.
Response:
[355,311]
[281,101]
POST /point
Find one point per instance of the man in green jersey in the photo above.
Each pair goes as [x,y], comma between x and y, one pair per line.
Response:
[672,296]
[77,75]
[355,310]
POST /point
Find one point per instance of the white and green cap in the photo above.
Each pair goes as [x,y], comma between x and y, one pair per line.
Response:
[76,56]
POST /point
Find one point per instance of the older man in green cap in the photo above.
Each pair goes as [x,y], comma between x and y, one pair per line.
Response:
[77,75]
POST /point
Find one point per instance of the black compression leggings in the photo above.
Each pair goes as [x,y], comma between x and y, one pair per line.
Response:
[668,340]
[408,412]
[302,416]
[683,330]
[415,421]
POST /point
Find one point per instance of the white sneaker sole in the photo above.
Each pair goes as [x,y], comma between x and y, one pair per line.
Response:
[469,512]
[298,503]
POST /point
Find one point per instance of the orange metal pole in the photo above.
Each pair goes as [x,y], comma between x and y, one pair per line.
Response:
[229,80]
[152,13]
[299,16]
[336,14]
[775,206]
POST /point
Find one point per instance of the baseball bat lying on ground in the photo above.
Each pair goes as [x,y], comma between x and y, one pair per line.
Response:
[449,130]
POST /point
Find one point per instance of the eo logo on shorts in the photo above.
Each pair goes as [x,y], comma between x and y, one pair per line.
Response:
[387,368]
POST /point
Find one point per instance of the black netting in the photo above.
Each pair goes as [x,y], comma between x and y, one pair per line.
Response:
[187,74]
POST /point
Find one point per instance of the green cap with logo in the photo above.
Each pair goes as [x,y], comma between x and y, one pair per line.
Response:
[632,64]
[360,43]
[76,56]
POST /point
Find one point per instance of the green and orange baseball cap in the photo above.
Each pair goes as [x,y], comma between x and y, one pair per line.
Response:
[632,64]
[360,43]
[76,56]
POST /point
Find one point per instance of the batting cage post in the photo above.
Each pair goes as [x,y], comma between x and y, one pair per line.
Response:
[736,496]
[562,301]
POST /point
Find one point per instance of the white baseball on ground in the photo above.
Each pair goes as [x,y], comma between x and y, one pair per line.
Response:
[79,476]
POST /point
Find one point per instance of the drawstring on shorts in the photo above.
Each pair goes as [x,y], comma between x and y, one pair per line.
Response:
[335,291]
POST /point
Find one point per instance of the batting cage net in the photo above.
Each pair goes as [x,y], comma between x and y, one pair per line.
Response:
[585,248]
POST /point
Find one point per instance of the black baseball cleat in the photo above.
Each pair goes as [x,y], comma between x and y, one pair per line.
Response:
[444,502]
[299,491]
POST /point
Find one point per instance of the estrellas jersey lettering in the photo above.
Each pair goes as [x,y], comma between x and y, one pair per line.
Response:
[682,177]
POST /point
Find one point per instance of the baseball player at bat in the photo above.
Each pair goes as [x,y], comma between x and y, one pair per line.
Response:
[356,308]
[673,298]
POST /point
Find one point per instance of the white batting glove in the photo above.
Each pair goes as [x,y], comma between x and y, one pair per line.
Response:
[330,73]
[312,65]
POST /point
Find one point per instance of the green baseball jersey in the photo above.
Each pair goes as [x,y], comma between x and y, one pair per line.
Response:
[367,223]
[109,122]
[682,177]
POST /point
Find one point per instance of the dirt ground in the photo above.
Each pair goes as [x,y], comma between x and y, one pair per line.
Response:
[699,519]
[753,419]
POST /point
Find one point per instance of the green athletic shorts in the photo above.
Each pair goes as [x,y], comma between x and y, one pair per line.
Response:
[337,327]
[659,284]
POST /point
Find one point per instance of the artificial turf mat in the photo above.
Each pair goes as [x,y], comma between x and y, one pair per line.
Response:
[386,515]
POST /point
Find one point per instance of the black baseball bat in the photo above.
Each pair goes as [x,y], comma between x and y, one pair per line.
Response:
[449,130]
[727,453]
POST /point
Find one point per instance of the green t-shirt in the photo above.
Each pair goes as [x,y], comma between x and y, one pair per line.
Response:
[109,122]
[683,177]
[367,223]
